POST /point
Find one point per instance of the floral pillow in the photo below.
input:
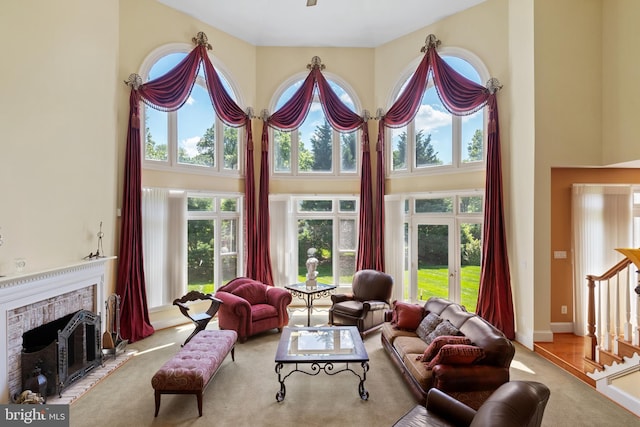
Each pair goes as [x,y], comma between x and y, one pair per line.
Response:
[440,342]
[407,316]
[428,325]
[444,328]
[456,354]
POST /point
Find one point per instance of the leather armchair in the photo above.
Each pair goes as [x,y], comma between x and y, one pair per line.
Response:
[250,307]
[513,404]
[364,308]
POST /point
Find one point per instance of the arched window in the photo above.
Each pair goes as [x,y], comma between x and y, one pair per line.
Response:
[436,140]
[315,148]
[193,138]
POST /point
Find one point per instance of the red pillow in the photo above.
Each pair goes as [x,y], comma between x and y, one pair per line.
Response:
[440,342]
[255,293]
[407,316]
[456,354]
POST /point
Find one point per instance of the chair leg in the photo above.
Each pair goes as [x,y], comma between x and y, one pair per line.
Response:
[157,395]
[199,396]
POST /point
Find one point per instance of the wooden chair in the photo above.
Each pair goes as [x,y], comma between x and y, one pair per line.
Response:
[200,320]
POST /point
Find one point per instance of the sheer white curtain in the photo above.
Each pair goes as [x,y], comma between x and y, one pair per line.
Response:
[602,221]
[163,245]
[394,243]
[281,234]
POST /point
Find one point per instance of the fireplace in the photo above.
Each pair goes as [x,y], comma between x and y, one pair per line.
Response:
[64,350]
[30,300]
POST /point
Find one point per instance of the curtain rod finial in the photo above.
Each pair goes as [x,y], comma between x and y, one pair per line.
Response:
[264,115]
[379,113]
[134,81]
[493,85]
[250,113]
[366,115]
[430,42]
[316,62]
[201,39]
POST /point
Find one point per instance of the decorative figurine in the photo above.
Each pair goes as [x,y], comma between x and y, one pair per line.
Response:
[312,274]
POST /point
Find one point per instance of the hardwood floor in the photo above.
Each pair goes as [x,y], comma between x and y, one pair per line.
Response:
[567,352]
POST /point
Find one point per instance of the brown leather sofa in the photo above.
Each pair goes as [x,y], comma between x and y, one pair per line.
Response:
[513,404]
[470,383]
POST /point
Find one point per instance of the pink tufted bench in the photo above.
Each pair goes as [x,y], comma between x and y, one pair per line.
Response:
[191,369]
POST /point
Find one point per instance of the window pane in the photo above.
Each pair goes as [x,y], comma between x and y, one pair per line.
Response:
[282,151]
[434,135]
[200,264]
[165,64]
[347,250]
[200,204]
[434,205]
[315,206]
[399,148]
[472,204]
[472,140]
[348,152]
[229,205]
[229,249]
[315,149]
[470,251]
[230,147]
[155,138]
[196,129]
[433,261]
[347,205]
[318,234]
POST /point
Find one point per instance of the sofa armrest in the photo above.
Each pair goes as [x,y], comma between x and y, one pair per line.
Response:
[336,298]
[234,304]
[445,406]
[464,378]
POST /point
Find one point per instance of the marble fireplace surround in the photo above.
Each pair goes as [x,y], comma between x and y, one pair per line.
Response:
[32,299]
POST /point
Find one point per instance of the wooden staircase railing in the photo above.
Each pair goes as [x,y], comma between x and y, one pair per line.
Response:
[610,333]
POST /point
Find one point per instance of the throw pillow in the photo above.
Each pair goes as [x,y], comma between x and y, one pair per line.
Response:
[440,342]
[428,325]
[456,354]
[444,328]
[407,316]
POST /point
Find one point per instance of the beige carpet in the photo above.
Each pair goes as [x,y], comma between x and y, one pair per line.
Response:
[243,392]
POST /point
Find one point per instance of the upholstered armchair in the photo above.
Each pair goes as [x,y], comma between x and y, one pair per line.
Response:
[513,404]
[250,307]
[365,307]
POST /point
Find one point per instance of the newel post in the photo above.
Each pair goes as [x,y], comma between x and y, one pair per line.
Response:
[591,342]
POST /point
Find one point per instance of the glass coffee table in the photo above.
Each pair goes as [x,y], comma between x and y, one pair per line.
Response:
[321,348]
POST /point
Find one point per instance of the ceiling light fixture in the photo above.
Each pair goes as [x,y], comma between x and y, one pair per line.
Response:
[311,2]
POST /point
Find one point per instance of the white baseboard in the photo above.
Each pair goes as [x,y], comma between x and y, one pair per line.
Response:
[543,336]
[561,327]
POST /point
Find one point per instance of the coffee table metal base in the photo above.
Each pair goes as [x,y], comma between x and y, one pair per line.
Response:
[316,368]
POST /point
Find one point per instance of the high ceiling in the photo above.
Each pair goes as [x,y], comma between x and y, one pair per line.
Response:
[330,23]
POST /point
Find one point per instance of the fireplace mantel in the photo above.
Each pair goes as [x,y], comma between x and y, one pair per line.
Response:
[29,288]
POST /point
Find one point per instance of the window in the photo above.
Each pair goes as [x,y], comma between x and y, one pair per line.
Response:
[192,138]
[443,247]
[328,224]
[315,148]
[190,242]
[436,140]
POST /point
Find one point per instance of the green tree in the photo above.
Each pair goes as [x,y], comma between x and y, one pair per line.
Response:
[475,147]
[349,153]
[200,243]
[400,153]
[206,148]
[470,248]
[283,149]
[305,157]
[425,153]
[321,147]
[153,151]
[230,147]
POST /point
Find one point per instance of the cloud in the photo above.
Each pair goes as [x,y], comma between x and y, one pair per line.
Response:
[431,119]
[189,145]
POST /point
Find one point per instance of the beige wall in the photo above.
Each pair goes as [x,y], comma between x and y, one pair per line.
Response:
[58,109]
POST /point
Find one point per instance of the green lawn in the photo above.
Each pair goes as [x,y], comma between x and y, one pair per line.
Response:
[433,281]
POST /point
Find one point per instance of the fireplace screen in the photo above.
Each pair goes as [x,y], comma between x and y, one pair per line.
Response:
[66,355]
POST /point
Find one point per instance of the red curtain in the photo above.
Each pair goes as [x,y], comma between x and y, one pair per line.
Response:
[462,96]
[167,93]
[290,116]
